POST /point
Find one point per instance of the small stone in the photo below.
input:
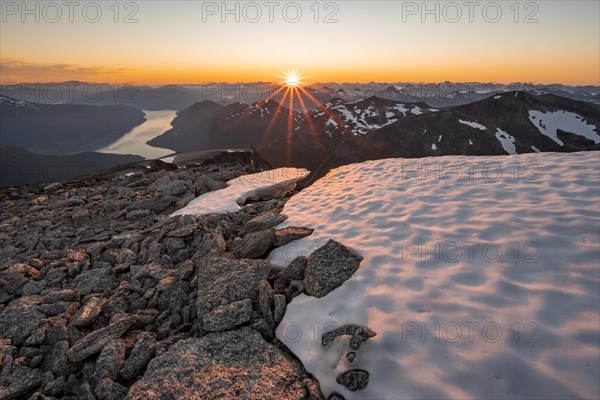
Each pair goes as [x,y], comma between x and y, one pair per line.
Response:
[264,221]
[289,234]
[351,356]
[58,362]
[360,334]
[280,301]
[87,314]
[265,300]
[355,379]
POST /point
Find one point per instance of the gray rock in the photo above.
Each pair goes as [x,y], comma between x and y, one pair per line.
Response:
[210,244]
[107,389]
[254,244]
[155,204]
[223,281]
[37,337]
[21,382]
[265,301]
[175,188]
[95,341]
[60,295]
[289,234]
[95,280]
[279,309]
[53,186]
[87,314]
[295,271]
[54,387]
[232,365]
[351,356]
[355,379]
[110,360]
[58,362]
[70,202]
[182,232]
[142,353]
[228,316]
[138,214]
[59,308]
[360,334]
[20,319]
[263,222]
[328,268]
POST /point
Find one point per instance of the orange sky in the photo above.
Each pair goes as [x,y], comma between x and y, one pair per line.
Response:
[382,41]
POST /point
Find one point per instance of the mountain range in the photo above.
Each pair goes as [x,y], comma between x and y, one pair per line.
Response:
[341,132]
[179,97]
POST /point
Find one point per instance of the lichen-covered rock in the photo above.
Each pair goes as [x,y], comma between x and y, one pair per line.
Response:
[87,314]
[295,271]
[110,360]
[141,354]
[95,341]
[360,334]
[264,221]
[254,244]
[235,364]
[95,280]
[289,234]
[228,316]
[222,281]
[20,319]
[328,268]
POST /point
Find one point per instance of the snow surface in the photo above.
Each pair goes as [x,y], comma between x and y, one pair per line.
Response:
[433,146]
[416,110]
[473,124]
[168,159]
[507,141]
[549,287]
[226,200]
[549,122]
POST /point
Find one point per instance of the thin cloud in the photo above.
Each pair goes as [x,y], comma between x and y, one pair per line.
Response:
[19,70]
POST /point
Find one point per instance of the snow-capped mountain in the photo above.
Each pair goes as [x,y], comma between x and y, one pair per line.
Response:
[342,132]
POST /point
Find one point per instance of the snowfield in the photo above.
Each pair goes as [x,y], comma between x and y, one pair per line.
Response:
[479,285]
[239,189]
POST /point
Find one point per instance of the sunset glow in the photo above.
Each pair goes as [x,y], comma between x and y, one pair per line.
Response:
[359,41]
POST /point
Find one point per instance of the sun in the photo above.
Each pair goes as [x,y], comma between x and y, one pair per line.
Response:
[292,79]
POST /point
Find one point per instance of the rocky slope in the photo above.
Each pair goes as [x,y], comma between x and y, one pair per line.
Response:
[21,167]
[104,296]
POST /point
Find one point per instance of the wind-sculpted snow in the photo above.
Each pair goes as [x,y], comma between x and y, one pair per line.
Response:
[478,285]
[268,184]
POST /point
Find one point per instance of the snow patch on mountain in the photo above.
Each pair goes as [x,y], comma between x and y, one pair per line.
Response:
[507,141]
[548,123]
[473,124]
